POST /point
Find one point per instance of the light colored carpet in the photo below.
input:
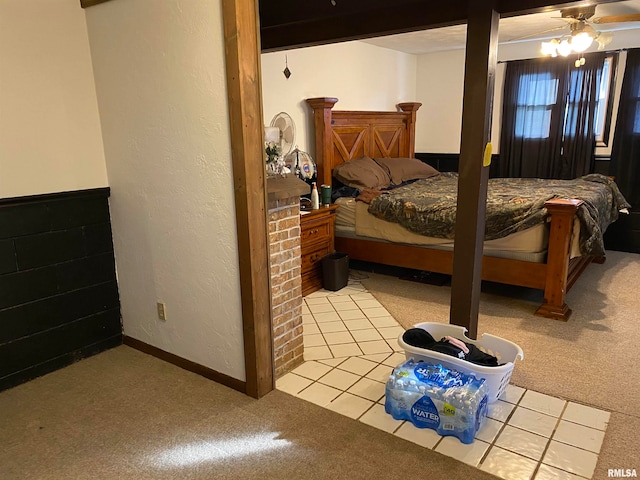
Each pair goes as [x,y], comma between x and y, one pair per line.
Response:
[592,359]
[125,415]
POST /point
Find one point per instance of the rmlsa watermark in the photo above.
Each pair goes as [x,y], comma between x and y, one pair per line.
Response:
[622,472]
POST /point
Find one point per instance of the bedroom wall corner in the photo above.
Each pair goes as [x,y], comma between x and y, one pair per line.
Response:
[360,75]
[161,86]
[49,122]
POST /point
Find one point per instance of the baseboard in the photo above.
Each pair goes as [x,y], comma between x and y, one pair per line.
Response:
[201,370]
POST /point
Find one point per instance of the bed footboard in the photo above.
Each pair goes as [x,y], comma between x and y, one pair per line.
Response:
[560,272]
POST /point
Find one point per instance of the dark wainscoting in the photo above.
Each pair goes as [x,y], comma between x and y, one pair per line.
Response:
[58,292]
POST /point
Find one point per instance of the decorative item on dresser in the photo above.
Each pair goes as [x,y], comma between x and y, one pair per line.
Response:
[316,241]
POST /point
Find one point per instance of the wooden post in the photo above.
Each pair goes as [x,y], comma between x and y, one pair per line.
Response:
[322,123]
[242,49]
[562,213]
[480,64]
[411,107]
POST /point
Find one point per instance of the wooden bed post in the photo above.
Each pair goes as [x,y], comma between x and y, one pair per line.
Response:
[322,122]
[412,108]
[562,213]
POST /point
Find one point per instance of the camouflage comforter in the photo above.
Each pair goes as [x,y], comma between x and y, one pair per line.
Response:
[428,206]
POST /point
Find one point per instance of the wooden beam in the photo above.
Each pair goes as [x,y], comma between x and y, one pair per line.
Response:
[479,79]
[292,23]
[242,49]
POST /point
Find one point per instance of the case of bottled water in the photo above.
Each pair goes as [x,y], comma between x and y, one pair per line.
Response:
[432,396]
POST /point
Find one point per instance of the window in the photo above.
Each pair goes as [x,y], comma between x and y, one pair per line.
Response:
[537,94]
[605,102]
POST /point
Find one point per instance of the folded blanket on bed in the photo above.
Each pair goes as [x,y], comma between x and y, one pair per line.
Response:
[428,206]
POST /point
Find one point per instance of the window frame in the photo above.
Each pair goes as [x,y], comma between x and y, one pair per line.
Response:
[603,139]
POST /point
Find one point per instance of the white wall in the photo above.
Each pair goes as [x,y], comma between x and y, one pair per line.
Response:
[361,76]
[161,84]
[440,80]
[50,137]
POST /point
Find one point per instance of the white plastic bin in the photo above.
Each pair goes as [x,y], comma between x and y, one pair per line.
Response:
[496,378]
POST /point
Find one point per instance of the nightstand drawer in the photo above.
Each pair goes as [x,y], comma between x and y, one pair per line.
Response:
[317,231]
[312,259]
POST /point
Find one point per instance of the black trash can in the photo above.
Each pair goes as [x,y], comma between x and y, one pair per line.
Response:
[335,271]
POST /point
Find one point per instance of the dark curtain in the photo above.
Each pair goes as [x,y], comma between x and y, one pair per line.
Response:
[524,153]
[571,94]
[625,153]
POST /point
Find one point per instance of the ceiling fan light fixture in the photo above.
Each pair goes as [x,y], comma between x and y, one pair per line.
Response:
[564,48]
[550,48]
[581,41]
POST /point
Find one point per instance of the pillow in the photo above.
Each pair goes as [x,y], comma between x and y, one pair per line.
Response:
[362,173]
[405,169]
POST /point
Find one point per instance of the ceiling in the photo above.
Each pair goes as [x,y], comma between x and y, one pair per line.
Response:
[511,30]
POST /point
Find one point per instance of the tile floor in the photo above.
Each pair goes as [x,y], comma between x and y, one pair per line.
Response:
[350,349]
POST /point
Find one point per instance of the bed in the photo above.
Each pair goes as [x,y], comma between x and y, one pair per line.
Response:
[345,136]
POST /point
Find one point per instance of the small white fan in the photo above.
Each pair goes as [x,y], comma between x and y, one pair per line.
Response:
[287,128]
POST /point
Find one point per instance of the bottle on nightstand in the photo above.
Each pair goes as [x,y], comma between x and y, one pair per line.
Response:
[315,199]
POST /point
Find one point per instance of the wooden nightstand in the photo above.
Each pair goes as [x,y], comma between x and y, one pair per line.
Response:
[316,241]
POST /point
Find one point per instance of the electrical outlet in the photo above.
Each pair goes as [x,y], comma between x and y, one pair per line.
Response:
[162,311]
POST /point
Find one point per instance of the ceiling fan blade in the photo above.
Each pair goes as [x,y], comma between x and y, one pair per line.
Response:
[629,17]
[522,37]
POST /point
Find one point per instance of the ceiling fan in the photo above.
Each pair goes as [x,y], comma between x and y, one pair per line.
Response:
[582,24]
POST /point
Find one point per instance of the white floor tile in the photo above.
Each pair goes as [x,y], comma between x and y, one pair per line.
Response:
[357,365]
[313,340]
[336,338]
[395,359]
[310,329]
[546,472]
[345,306]
[321,308]
[508,465]
[522,442]
[378,418]
[571,459]
[313,370]
[543,403]
[332,327]
[512,394]
[326,317]
[292,383]
[362,296]
[332,362]
[391,332]
[383,321]
[323,300]
[579,436]
[319,394]
[308,318]
[377,346]
[380,373]
[369,389]
[317,294]
[352,315]
[376,312]
[425,437]
[350,405]
[533,421]
[305,309]
[316,353]
[489,430]
[339,379]
[368,304]
[366,335]
[337,299]
[359,324]
[345,350]
[394,345]
[376,357]
[499,410]
[470,453]
[590,417]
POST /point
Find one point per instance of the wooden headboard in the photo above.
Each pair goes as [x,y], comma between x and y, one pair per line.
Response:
[344,135]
